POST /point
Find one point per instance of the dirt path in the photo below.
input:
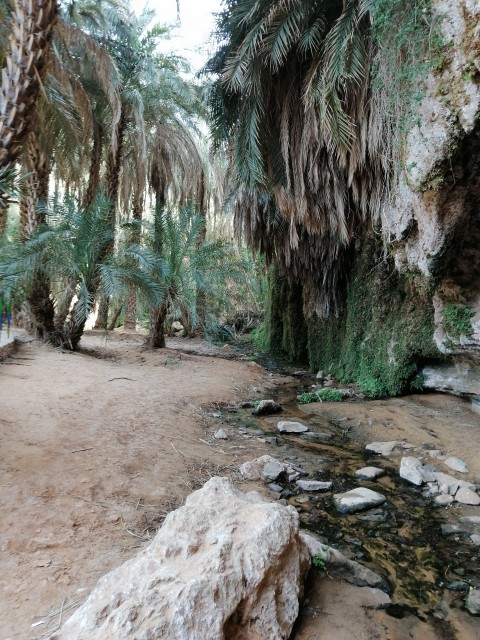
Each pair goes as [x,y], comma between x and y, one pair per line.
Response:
[95,448]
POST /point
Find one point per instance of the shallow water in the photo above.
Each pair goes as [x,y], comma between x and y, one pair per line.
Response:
[429,573]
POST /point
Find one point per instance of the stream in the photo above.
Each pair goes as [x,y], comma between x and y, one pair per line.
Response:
[422,551]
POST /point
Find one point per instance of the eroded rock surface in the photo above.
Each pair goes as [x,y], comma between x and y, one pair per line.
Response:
[226,566]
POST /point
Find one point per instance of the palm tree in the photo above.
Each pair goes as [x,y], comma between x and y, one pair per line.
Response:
[22,76]
[292,101]
[194,269]
[70,248]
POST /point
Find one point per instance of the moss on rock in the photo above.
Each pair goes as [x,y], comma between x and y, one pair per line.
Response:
[384,330]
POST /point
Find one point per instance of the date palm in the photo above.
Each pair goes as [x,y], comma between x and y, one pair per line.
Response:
[292,100]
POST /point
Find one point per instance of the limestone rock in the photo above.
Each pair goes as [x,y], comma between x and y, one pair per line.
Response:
[473,602]
[370,473]
[266,407]
[357,500]
[221,434]
[274,470]
[383,448]
[343,567]
[225,566]
[411,470]
[467,496]
[285,426]
[456,464]
[254,469]
[449,484]
[475,538]
[443,500]
[313,485]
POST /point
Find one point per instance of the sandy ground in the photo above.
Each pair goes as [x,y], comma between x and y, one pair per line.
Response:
[95,448]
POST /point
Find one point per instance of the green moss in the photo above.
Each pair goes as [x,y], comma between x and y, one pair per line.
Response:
[285,328]
[383,332]
[457,320]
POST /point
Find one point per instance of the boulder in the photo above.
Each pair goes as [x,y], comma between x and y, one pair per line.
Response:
[255,469]
[267,407]
[357,500]
[286,426]
[226,566]
[221,434]
[370,473]
[449,484]
[443,500]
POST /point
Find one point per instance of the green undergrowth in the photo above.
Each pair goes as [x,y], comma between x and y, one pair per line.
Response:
[457,320]
[382,334]
[322,395]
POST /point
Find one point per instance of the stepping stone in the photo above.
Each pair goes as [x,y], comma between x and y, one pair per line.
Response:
[291,427]
[383,448]
[467,496]
[358,499]
[456,464]
[370,473]
[313,485]
[266,407]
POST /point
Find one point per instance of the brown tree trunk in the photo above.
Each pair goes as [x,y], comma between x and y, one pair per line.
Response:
[37,165]
[156,338]
[29,42]
[114,165]
[95,164]
[130,321]
[3,217]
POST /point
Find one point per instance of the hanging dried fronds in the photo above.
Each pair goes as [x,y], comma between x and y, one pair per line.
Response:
[307,145]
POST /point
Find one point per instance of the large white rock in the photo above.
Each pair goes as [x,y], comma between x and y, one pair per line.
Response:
[467,496]
[357,500]
[370,473]
[226,566]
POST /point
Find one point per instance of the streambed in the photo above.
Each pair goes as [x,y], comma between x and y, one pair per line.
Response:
[424,551]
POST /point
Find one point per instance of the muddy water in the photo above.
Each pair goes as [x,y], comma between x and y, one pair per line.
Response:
[429,572]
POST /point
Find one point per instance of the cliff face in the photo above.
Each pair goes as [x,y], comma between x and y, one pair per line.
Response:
[433,221]
[413,292]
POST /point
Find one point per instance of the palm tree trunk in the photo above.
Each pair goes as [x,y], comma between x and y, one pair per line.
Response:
[114,166]
[202,236]
[23,73]
[130,321]
[37,164]
[95,164]
[156,338]
[3,217]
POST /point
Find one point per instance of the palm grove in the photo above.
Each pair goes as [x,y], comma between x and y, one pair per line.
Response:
[306,101]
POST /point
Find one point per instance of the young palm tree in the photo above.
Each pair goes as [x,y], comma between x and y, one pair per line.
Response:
[71,249]
[195,269]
